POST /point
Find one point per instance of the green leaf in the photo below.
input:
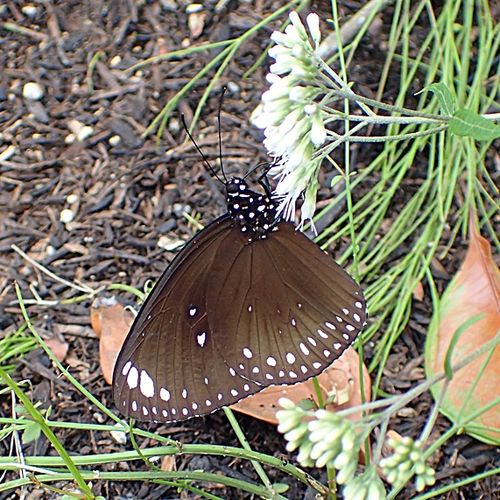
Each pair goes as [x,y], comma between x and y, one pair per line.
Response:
[280,487]
[31,432]
[446,99]
[467,123]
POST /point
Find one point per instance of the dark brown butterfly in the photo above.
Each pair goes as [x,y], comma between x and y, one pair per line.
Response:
[249,302]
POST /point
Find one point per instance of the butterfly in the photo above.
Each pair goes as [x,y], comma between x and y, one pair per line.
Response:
[249,302]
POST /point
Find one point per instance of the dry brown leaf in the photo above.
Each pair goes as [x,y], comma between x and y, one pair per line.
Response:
[340,379]
[58,346]
[168,463]
[111,322]
[475,290]
[418,291]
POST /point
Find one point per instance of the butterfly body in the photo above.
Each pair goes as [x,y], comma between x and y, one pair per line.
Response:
[249,302]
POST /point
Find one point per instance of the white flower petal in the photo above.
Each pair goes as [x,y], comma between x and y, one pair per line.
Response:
[312,21]
[297,24]
[318,130]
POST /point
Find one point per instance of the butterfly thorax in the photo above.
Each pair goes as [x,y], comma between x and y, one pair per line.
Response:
[254,212]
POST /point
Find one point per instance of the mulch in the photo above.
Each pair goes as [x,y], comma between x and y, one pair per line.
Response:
[130,191]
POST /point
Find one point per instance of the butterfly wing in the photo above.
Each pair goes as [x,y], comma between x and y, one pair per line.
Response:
[232,315]
[168,367]
[298,310]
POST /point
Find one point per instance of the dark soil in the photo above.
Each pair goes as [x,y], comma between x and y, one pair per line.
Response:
[133,190]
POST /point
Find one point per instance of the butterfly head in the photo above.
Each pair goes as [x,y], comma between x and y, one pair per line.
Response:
[253,211]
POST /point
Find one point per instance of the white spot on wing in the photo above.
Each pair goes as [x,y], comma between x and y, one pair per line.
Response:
[337,345]
[271,361]
[330,325]
[184,393]
[290,357]
[164,394]
[356,317]
[126,368]
[304,348]
[147,385]
[134,405]
[311,341]
[192,311]
[359,305]
[132,378]
[350,328]
[234,392]
[322,334]
[201,338]
[247,353]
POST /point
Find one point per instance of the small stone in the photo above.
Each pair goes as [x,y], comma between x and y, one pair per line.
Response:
[70,139]
[85,132]
[66,215]
[72,198]
[29,10]
[114,140]
[233,88]
[174,126]
[8,152]
[33,91]
[119,436]
[169,244]
[194,7]
[179,208]
[115,61]
[80,130]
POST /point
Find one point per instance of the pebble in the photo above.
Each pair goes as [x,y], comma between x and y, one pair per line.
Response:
[29,10]
[72,198]
[194,7]
[114,140]
[66,215]
[80,130]
[119,436]
[33,91]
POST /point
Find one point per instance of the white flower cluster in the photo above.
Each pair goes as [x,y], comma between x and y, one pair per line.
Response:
[407,458]
[327,439]
[292,120]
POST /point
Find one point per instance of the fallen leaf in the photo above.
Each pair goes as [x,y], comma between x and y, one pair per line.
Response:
[168,463]
[58,346]
[418,291]
[474,292]
[111,323]
[340,381]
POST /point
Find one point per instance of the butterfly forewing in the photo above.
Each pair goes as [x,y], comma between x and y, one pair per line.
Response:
[246,304]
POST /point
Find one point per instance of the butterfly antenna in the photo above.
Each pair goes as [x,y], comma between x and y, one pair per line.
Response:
[253,169]
[220,135]
[205,160]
